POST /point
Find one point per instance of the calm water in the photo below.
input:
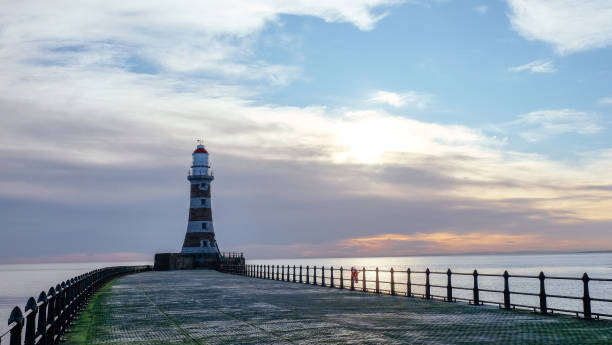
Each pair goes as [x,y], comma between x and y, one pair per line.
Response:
[597,265]
[18,282]
[21,281]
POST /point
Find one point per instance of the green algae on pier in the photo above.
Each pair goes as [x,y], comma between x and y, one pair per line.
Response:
[208,307]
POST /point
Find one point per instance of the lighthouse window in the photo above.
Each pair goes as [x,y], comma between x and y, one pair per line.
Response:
[204,226]
[203,201]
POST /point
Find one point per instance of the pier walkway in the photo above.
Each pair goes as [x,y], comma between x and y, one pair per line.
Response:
[208,307]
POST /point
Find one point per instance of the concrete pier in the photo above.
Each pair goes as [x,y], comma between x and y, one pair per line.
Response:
[208,307]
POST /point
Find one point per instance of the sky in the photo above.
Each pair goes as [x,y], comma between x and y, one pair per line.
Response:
[336,128]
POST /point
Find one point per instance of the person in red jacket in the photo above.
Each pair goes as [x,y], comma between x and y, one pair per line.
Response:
[354,275]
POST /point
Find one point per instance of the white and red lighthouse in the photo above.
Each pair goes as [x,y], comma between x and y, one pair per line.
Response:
[200,236]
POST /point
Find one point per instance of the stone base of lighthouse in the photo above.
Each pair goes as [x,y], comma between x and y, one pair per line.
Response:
[185,261]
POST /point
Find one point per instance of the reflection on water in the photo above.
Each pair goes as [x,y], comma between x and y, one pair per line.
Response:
[597,265]
[18,282]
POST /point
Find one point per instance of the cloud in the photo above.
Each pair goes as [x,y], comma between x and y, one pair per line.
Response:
[569,25]
[411,98]
[606,100]
[537,66]
[543,124]
[101,101]
[192,41]
[482,9]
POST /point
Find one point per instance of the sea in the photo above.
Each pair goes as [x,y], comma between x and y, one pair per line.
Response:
[20,281]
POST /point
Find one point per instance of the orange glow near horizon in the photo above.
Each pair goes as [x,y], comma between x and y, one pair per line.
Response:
[447,242]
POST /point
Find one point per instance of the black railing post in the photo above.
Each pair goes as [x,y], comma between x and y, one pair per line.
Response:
[506,290]
[392,283]
[60,312]
[449,286]
[475,289]
[294,273]
[277,271]
[408,284]
[363,281]
[52,298]
[283,273]
[427,285]
[42,317]
[16,316]
[301,274]
[314,275]
[331,276]
[322,275]
[341,278]
[272,277]
[543,307]
[586,297]
[30,324]
[377,282]
[307,274]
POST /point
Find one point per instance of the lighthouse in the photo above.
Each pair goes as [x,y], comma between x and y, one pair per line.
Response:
[200,236]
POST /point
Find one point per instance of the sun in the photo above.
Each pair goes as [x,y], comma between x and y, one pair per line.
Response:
[366,140]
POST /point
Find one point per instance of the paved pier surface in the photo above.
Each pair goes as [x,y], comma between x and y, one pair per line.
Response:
[208,307]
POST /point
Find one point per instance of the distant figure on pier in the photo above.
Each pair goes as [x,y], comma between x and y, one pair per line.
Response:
[354,275]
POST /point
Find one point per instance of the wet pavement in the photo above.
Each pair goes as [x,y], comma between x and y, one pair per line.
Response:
[208,307]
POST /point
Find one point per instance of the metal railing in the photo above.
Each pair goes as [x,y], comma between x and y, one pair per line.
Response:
[198,173]
[231,255]
[404,283]
[231,262]
[47,318]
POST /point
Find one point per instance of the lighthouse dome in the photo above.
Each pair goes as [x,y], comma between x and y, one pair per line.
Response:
[200,149]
